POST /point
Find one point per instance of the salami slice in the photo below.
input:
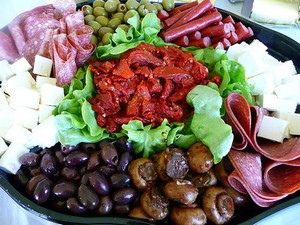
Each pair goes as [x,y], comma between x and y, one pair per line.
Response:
[248,173]
[8,50]
[283,177]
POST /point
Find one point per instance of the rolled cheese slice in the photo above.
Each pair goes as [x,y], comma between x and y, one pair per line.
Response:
[285,12]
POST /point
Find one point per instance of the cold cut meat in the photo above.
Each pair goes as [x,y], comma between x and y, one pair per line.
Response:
[8,50]
[265,183]
[54,31]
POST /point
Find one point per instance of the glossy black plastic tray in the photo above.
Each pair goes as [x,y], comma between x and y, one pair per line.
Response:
[279,46]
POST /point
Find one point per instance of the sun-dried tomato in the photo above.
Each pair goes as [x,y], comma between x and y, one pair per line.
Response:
[147,83]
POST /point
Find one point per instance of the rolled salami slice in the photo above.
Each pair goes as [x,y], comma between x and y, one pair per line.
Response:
[248,174]
[283,177]
[8,50]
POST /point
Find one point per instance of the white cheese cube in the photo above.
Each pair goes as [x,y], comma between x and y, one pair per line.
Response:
[234,51]
[21,80]
[45,134]
[3,100]
[286,105]
[282,116]
[42,66]
[18,134]
[262,83]
[3,146]
[283,70]
[252,63]
[294,123]
[273,129]
[20,66]
[5,70]
[44,112]
[25,97]
[7,118]
[268,101]
[294,79]
[257,46]
[51,95]
[40,80]
[27,117]
[288,91]
[9,161]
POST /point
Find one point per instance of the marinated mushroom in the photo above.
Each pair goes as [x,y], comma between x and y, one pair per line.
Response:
[218,205]
[188,216]
[138,212]
[182,191]
[154,203]
[239,199]
[142,172]
[200,159]
[171,164]
[201,180]
[222,170]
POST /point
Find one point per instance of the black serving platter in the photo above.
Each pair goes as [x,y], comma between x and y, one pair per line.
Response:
[281,47]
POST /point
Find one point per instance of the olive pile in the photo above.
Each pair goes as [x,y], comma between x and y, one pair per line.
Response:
[88,178]
[105,16]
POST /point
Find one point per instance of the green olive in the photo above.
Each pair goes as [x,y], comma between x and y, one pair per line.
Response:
[132,4]
[122,8]
[97,3]
[142,10]
[124,27]
[87,9]
[113,23]
[94,40]
[129,14]
[168,4]
[158,6]
[100,11]
[95,25]
[151,8]
[102,20]
[100,43]
[106,38]
[144,2]
[118,15]
[110,6]
[89,18]
[104,30]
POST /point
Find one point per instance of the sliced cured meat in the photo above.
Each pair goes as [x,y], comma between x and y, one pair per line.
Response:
[248,174]
[246,121]
[8,50]
[64,59]
[74,21]
[283,177]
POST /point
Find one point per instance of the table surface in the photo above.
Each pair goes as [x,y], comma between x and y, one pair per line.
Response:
[12,214]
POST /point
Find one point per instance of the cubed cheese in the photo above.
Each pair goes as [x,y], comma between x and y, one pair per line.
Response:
[3,146]
[262,83]
[18,134]
[51,95]
[288,91]
[42,66]
[3,100]
[294,123]
[252,63]
[40,80]
[9,161]
[286,105]
[7,118]
[282,116]
[20,66]
[257,46]
[234,51]
[15,82]
[283,70]
[44,112]
[25,97]
[27,117]
[5,70]
[268,101]
[45,134]
[273,129]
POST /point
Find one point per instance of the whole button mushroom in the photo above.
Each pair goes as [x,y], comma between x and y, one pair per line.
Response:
[155,204]
[171,164]
[201,180]
[142,172]
[200,159]
[188,216]
[218,205]
[182,191]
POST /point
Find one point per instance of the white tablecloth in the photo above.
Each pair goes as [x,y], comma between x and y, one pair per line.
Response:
[12,214]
